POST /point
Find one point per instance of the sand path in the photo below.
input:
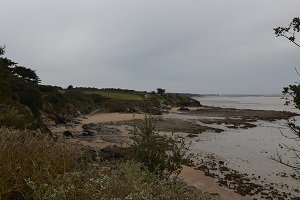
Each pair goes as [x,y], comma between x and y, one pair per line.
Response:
[110,117]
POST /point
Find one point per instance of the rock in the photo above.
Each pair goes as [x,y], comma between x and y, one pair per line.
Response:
[60,120]
[88,132]
[182,108]
[77,122]
[84,126]
[84,133]
[68,134]
[191,135]
[89,126]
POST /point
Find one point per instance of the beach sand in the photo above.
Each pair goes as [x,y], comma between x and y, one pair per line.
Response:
[197,179]
[95,118]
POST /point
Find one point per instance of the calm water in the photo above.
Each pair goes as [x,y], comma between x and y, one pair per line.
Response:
[249,151]
[248,102]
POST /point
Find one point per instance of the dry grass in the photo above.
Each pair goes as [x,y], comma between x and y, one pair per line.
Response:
[124,180]
[34,166]
[27,154]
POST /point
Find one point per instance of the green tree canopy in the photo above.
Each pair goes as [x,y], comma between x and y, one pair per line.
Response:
[26,74]
[18,84]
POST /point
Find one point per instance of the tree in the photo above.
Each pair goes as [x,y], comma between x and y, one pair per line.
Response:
[26,74]
[5,75]
[160,91]
[160,155]
[18,84]
[290,33]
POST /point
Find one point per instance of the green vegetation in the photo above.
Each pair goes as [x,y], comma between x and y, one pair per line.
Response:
[121,96]
[32,103]
[161,156]
[37,167]
[16,116]
[31,155]
[19,93]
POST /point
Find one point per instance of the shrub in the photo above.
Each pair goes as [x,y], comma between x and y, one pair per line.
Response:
[34,166]
[16,116]
[124,180]
[28,94]
[31,155]
[160,155]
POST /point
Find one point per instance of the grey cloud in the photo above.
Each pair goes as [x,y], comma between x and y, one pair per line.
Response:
[184,46]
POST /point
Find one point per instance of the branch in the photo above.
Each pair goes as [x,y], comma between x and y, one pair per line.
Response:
[292,138]
[291,40]
[297,71]
[279,160]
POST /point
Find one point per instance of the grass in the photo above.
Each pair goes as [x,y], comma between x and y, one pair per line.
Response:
[31,155]
[124,180]
[121,95]
[34,166]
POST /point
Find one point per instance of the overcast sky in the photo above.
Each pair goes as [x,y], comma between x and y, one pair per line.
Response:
[198,46]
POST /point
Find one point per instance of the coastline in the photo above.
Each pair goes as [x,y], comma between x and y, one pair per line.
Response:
[118,126]
[205,183]
[189,175]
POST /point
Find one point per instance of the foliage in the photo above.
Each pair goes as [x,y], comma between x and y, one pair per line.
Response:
[290,31]
[26,74]
[160,91]
[125,180]
[160,156]
[4,81]
[34,166]
[31,155]
[18,85]
[82,102]
[16,116]
[294,92]
[28,94]
[121,95]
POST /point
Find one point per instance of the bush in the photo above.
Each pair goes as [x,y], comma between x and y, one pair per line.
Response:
[31,155]
[160,155]
[124,180]
[16,116]
[28,94]
[34,166]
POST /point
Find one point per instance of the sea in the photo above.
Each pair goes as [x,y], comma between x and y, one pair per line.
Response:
[249,151]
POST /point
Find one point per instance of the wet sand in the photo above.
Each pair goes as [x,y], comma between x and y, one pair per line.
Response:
[205,183]
[94,118]
[97,118]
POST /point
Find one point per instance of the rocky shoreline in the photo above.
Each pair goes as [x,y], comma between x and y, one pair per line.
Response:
[107,137]
[242,183]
